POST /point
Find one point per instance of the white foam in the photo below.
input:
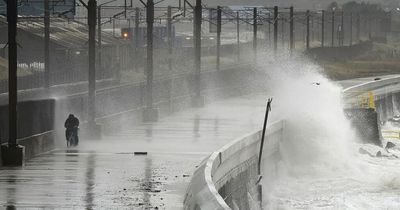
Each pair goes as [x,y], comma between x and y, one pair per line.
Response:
[321,167]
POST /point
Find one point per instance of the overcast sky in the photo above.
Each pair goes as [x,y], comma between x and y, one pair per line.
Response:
[298,4]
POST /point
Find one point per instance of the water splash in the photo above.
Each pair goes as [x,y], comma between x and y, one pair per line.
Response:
[320,167]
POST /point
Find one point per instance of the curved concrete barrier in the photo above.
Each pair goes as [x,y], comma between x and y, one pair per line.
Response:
[228,178]
[369,86]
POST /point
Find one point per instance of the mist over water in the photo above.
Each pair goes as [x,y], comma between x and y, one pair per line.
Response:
[317,131]
[320,167]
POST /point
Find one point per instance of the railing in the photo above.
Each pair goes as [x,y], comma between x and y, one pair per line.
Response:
[370,86]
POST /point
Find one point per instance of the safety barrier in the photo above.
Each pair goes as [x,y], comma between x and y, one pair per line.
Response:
[370,86]
[228,178]
[391,134]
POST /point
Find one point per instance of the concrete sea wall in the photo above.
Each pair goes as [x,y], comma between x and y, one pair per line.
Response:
[228,178]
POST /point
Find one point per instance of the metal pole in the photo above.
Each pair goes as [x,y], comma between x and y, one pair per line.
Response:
[238,34]
[184,8]
[342,32]
[291,30]
[255,29]
[308,30]
[358,26]
[219,26]
[125,8]
[351,29]
[46,44]
[169,36]
[92,9]
[137,24]
[149,67]
[131,52]
[312,28]
[268,109]
[369,19]
[283,33]
[333,28]
[275,30]
[99,38]
[323,29]
[12,72]
[197,44]
[269,29]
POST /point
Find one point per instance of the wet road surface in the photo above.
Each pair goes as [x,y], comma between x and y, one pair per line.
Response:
[106,174]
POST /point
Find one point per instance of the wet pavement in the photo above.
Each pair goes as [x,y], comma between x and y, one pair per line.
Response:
[107,174]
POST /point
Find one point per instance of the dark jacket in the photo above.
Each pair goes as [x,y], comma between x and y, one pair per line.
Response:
[71,122]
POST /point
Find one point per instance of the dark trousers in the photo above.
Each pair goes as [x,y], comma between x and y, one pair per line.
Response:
[72,131]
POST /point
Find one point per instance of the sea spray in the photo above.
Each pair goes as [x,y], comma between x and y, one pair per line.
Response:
[317,132]
[320,167]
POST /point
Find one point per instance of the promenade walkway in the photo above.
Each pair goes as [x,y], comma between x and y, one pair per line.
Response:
[106,174]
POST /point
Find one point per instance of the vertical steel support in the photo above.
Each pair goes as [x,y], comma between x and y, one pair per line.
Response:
[269,29]
[323,29]
[283,33]
[308,30]
[312,28]
[197,44]
[333,28]
[184,8]
[136,38]
[99,39]
[125,6]
[219,26]
[92,9]
[351,29]
[358,27]
[149,66]
[12,72]
[46,44]
[342,32]
[369,24]
[238,34]
[255,30]
[291,30]
[276,30]
[169,37]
